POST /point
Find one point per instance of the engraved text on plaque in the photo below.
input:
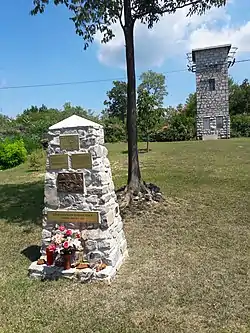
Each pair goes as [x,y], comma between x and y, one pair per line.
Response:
[58,161]
[73,216]
[69,142]
[81,161]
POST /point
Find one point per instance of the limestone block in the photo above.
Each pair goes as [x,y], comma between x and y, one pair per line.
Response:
[87,142]
[107,272]
[93,199]
[95,256]
[105,198]
[108,218]
[46,234]
[98,167]
[99,191]
[106,244]
[84,206]
[96,234]
[123,246]
[69,273]
[85,275]
[50,179]
[113,257]
[100,179]
[98,151]
[88,178]
[106,162]
[91,245]
[66,200]
[51,199]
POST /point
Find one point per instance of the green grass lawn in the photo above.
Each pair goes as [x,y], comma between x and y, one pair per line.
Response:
[188,269]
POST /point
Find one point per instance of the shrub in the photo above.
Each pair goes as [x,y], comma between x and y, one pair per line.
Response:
[114,130]
[179,128]
[12,153]
[36,160]
[240,126]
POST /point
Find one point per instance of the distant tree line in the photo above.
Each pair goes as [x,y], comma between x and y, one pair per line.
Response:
[27,132]
[159,123]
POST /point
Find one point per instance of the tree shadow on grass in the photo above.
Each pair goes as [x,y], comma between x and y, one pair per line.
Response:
[22,203]
[140,151]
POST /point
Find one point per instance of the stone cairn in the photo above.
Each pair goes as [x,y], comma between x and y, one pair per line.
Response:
[80,195]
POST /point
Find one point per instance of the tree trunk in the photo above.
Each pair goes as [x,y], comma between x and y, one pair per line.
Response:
[147,143]
[134,174]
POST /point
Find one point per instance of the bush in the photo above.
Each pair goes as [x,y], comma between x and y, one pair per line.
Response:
[179,128]
[114,130]
[36,160]
[240,126]
[12,153]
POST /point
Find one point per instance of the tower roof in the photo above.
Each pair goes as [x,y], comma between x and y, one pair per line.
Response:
[227,46]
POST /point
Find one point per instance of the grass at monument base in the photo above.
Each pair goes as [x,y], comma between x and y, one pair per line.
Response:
[189,257]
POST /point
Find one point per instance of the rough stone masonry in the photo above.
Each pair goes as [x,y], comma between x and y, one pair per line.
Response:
[79,179]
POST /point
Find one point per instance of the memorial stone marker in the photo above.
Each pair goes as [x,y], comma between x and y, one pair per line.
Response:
[80,196]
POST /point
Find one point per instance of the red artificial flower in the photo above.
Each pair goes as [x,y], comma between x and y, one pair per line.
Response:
[66,245]
[68,232]
[78,235]
[62,228]
[52,247]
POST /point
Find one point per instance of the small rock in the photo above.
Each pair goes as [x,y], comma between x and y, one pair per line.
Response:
[148,197]
[105,273]
[158,197]
[85,275]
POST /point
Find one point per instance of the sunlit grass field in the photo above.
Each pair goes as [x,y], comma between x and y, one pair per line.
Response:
[188,265]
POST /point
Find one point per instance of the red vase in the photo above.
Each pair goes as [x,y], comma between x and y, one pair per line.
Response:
[67,261]
[50,257]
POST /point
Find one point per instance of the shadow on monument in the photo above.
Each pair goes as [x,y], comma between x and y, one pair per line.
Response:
[32,252]
[22,203]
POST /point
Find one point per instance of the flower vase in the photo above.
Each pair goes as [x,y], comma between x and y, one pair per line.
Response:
[67,261]
[50,257]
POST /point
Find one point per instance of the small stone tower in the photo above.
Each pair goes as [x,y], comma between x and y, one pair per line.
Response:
[211,66]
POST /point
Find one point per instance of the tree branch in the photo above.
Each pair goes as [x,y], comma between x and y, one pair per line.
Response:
[120,18]
[167,8]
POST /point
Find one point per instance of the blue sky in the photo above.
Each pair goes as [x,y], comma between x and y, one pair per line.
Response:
[44,49]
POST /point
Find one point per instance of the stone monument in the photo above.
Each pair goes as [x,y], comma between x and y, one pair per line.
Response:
[211,67]
[80,196]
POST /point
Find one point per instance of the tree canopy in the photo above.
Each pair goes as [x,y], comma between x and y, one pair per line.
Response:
[149,115]
[116,103]
[92,16]
[154,84]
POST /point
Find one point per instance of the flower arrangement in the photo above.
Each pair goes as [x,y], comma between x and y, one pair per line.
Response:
[65,241]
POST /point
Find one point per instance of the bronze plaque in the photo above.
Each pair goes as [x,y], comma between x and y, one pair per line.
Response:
[69,142]
[58,161]
[72,216]
[81,161]
[70,182]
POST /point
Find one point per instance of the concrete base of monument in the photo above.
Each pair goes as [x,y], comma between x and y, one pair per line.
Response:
[44,272]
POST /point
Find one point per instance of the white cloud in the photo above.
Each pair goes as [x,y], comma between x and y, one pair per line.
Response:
[174,35]
[239,37]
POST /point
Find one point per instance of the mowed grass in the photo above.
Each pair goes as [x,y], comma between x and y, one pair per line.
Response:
[188,269]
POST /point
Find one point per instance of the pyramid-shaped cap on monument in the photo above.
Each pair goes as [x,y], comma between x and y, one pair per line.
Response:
[74,121]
